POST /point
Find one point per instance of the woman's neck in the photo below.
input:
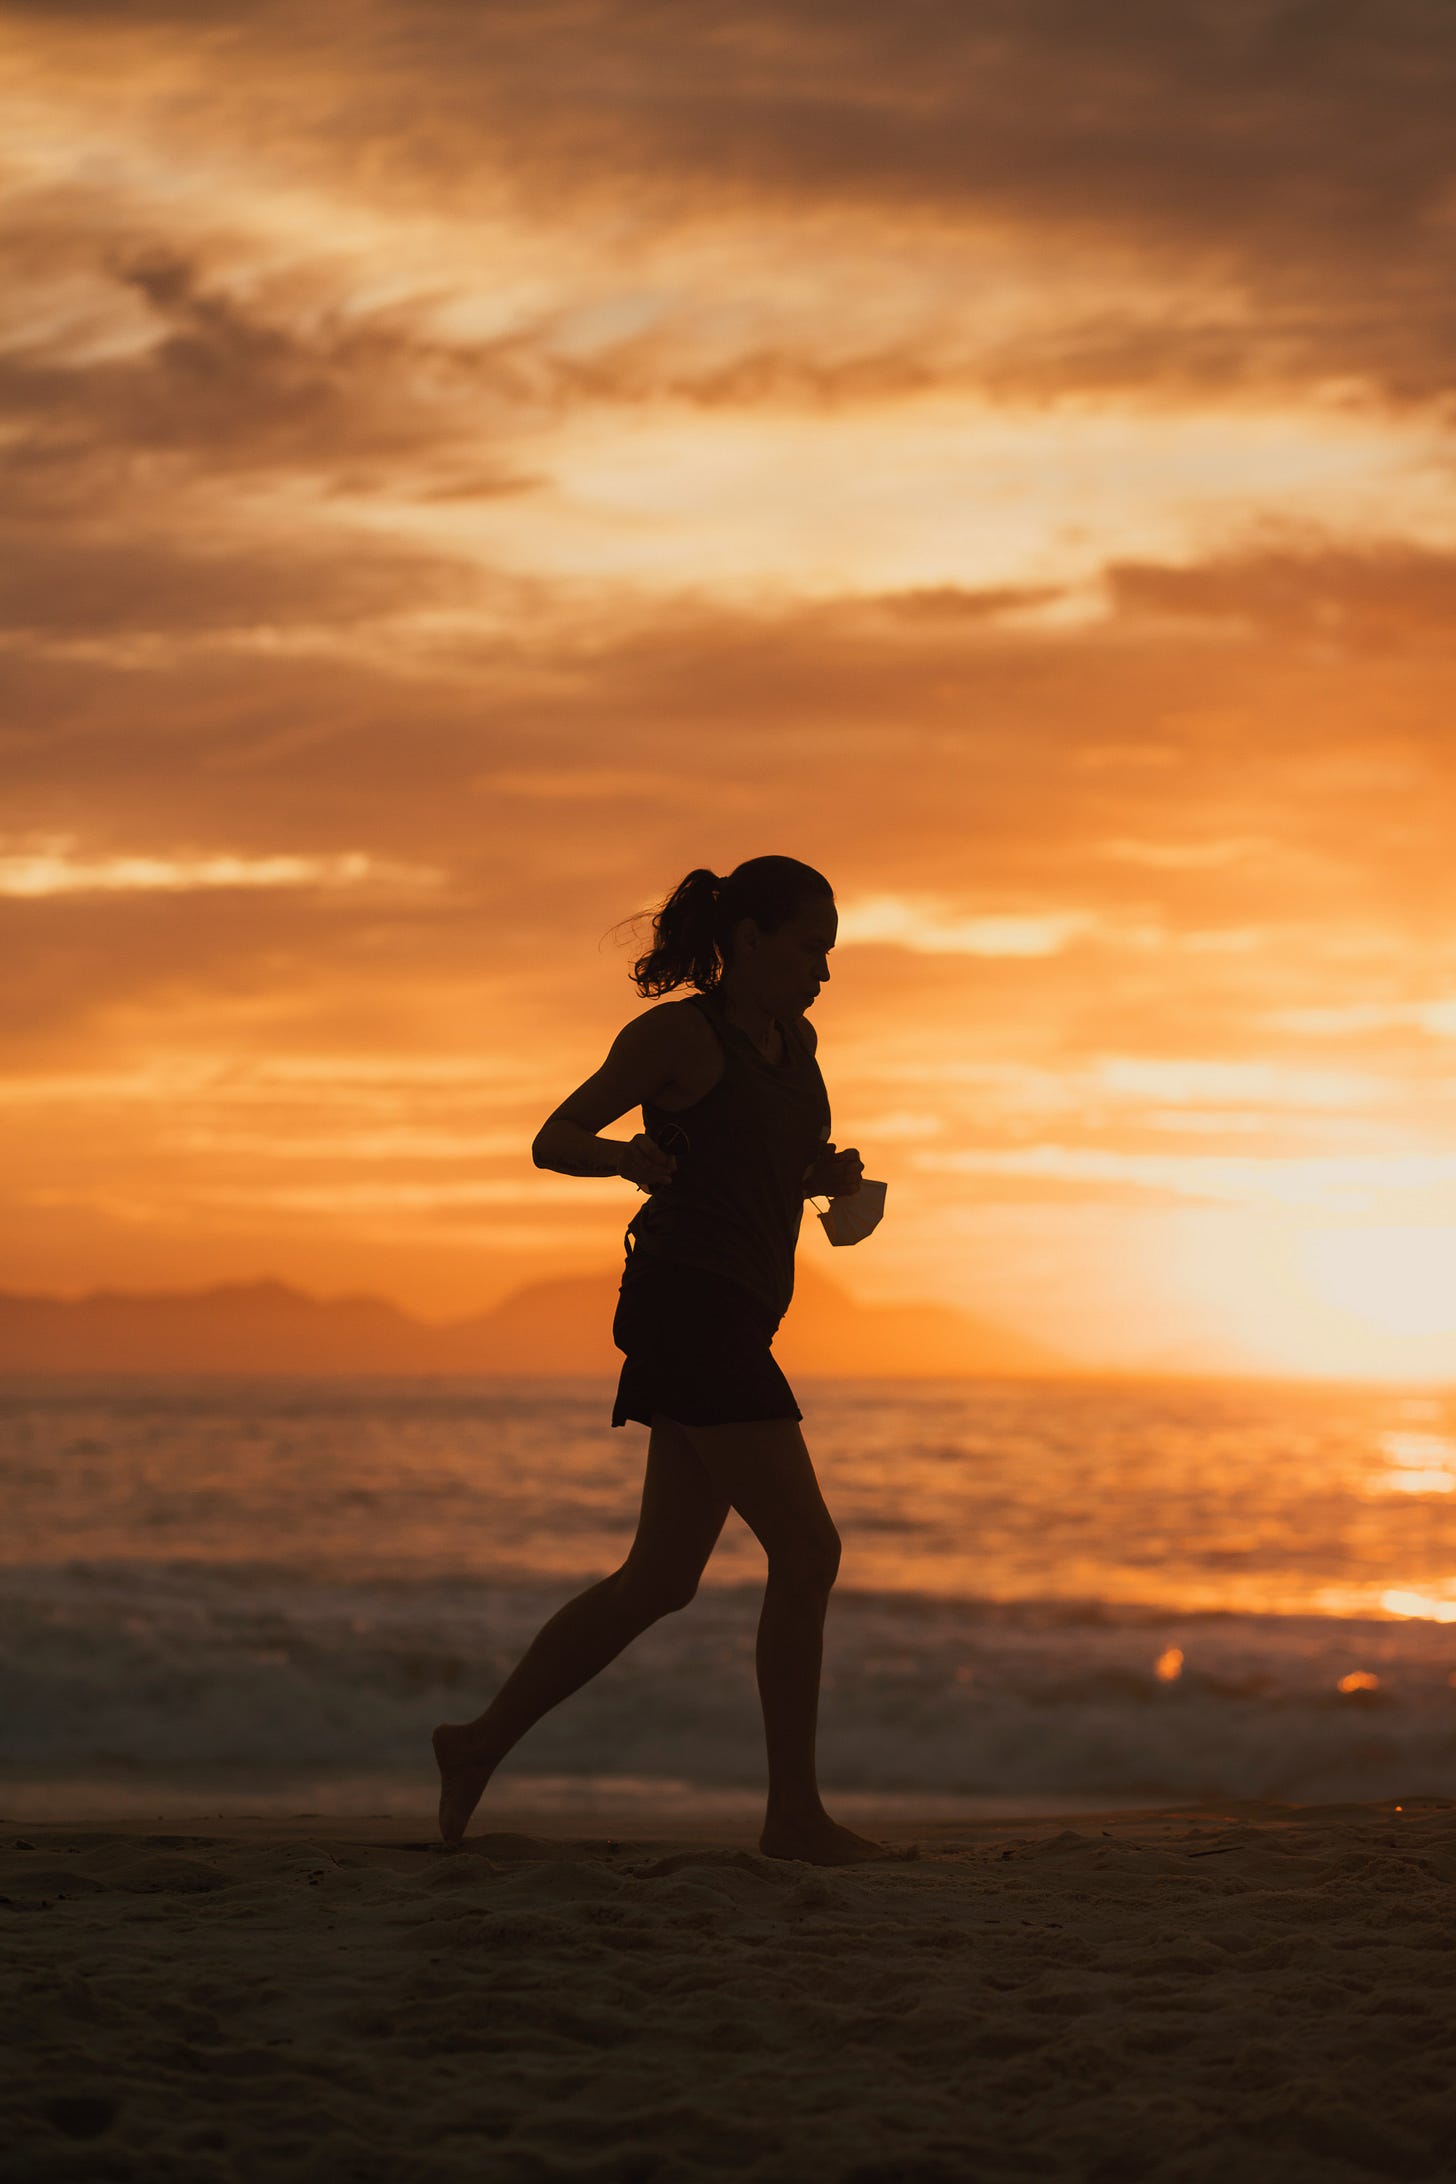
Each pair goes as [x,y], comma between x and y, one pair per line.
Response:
[754,1017]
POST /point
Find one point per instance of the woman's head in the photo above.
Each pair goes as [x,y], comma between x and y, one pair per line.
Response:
[765,930]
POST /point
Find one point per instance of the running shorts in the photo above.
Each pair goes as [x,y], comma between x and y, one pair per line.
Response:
[696,1346]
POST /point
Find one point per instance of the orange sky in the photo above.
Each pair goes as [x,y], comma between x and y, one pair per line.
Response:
[467,466]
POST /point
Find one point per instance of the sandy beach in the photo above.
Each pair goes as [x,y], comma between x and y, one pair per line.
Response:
[1231,1991]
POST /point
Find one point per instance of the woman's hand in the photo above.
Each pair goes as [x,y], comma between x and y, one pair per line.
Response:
[832,1174]
[644,1163]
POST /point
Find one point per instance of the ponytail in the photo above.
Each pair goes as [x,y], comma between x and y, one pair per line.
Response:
[693,929]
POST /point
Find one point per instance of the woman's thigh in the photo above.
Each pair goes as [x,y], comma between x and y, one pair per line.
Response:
[682,1513]
[762,1468]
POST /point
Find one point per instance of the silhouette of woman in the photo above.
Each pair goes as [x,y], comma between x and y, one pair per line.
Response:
[736,1137]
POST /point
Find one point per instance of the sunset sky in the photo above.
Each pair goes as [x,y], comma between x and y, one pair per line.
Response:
[467,465]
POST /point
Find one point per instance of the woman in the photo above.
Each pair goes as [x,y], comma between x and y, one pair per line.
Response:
[736,1137]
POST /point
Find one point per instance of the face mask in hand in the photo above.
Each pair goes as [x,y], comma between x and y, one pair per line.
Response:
[851,1217]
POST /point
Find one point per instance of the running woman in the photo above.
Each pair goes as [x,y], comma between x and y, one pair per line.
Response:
[736,1137]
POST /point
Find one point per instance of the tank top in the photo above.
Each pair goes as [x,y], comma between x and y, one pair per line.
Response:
[736,1200]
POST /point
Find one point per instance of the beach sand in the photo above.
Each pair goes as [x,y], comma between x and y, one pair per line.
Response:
[1232,1991]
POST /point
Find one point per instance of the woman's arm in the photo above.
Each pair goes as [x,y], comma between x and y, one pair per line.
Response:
[642,1063]
[570,1150]
[830,1174]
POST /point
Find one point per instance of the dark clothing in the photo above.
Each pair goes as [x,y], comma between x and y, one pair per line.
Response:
[735,1203]
[696,1348]
[710,1266]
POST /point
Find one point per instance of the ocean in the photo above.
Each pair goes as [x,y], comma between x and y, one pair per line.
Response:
[1053,1595]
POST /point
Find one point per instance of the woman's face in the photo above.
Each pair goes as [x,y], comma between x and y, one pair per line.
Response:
[785,970]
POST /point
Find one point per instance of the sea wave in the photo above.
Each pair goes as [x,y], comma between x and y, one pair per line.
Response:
[192,1675]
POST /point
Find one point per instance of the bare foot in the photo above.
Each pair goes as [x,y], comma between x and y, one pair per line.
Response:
[464,1772]
[823,1841]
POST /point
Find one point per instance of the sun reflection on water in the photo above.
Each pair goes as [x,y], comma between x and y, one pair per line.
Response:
[1413,1603]
[1420,1463]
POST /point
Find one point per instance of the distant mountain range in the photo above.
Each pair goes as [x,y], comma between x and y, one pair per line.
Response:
[556,1326]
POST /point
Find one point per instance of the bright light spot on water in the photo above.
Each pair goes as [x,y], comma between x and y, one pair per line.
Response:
[1425,1464]
[1359,1679]
[1168,1667]
[1414,1603]
[1422,1449]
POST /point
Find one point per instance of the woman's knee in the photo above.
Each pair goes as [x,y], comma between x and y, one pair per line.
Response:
[765,1471]
[812,1564]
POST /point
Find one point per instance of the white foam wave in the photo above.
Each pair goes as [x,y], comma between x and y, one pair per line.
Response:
[248,1678]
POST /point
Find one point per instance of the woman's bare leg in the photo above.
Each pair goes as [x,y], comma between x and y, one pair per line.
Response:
[681,1516]
[764,1469]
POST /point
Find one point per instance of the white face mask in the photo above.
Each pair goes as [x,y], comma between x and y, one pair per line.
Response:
[851,1217]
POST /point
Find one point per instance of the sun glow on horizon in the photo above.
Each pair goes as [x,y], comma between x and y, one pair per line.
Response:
[1393,1280]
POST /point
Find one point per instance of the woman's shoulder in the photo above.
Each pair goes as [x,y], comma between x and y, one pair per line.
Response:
[680,1029]
[686,1050]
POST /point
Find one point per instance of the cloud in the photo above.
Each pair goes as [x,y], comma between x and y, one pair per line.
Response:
[941,751]
[952,603]
[114,579]
[1339,1184]
[199,377]
[1223,200]
[1237,1083]
[924,762]
[53,868]
[1185,856]
[1376,596]
[1345,1020]
[928,928]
